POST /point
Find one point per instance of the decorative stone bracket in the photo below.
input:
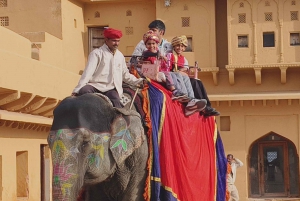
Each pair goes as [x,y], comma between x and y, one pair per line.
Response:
[257,70]
[213,70]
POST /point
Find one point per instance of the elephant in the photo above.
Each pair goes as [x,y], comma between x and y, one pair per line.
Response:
[99,153]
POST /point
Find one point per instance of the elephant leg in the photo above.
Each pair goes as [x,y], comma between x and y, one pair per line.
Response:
[138,174]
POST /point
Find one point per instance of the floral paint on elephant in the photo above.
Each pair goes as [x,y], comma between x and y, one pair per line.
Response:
[120,128]
[65,156]
[122,139]
[98,141]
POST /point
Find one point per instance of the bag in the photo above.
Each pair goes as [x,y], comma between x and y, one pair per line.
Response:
[151,70]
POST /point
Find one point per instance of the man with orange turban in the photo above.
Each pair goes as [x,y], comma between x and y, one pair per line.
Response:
[106,70]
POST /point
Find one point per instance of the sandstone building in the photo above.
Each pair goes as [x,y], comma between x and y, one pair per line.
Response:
[248,52]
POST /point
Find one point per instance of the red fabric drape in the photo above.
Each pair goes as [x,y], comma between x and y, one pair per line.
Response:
[187,153]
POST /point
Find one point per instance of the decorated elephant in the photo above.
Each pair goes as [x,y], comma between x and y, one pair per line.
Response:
[99,153]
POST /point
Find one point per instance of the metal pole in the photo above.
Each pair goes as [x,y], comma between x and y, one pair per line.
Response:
[131,104]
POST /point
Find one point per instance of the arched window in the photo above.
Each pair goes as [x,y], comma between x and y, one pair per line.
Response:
[128,13]
[273,167]
[97,14]
[267,3]
[241,4]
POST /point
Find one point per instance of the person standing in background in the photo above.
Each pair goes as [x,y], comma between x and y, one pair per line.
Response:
[231,176]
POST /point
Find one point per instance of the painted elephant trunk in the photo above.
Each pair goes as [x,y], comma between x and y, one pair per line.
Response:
[67,177]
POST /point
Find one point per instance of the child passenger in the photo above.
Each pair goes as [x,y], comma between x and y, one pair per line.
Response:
[179,64]
[174,81]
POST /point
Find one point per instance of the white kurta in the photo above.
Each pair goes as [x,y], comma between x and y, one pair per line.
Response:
[106,71]
[234,194]
[234,166]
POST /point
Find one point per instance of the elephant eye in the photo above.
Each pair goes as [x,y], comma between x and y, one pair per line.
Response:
[85,143]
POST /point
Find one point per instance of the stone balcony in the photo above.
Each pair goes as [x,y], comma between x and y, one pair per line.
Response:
[258,68]
[23,110]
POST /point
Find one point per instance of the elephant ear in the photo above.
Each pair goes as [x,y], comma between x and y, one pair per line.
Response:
[127,135]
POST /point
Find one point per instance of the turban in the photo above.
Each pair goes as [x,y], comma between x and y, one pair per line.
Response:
[179,40]
[112,33]
[150,35]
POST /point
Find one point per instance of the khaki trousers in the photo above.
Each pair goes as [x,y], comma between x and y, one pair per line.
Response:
[234,194]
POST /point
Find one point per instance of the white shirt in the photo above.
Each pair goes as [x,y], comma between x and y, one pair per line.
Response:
[106,71]
[234,165]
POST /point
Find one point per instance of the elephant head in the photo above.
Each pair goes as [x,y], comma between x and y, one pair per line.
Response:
[92,143]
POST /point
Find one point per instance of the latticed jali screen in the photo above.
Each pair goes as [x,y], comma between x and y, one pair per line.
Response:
[268,17]
[185,21]
[242,18]
[4,21]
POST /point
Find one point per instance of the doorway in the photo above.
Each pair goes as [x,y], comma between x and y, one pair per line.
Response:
[273,167]
[96,37]
[273,163]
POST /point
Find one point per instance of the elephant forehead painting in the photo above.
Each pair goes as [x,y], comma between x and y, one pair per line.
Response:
[86,156]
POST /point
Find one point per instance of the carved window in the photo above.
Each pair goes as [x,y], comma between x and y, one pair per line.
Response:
[243,41]
[3,3]
[268,17]
[267,3]
[185,21]
[241,4]
[128,13]
[97,14]
[294,39]
[185,7]
[294,15]
[129,30]
[242,17]
[293,3]
[4,21]
[268,39]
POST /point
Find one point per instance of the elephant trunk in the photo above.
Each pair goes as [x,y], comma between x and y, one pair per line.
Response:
[67,180]
[68,164]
